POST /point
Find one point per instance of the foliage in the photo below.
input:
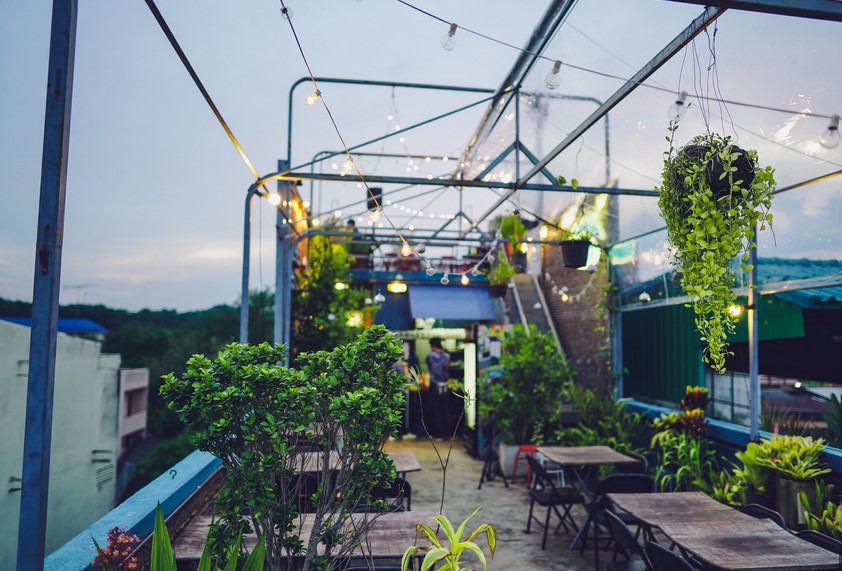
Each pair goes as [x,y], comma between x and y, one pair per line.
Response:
[833,418]
[603,421]
[450,555]
[256,417]
[793,457]
[526,399]
[319,310]
[822,515]
[511,228]
[118,553]
[163,556]
[707,229]
[726,487]
[781,420]
[501,273]
[754,477]
[684,462]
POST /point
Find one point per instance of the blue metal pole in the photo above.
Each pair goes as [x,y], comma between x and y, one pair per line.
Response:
[753,346]
[283,260]
[32,529]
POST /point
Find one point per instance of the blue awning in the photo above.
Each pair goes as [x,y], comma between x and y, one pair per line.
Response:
[451,303]
[65,324]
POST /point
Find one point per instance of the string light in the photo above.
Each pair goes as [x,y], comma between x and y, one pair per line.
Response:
[274,198]
[286,13]
[464,280]
[379,298]
[406,250]
[830,136]
[448,42]
[313,97]
[445,280]
[678,110]
[552,80]
[430,271]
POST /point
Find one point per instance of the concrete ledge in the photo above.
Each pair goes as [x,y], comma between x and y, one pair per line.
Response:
[137,513]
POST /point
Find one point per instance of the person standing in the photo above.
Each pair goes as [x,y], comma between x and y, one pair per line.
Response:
[438,366]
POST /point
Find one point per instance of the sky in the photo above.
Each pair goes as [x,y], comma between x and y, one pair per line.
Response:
[155,190]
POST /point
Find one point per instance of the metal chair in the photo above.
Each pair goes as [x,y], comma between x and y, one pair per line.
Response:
[663,559]
[639,467]
[761,512]
[822,540]
[625,543]
[545,493]
[601,505]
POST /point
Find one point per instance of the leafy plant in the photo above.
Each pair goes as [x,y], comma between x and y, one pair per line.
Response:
[526,398]
[449,555]
[726,487]
[501,273]
[822,515]
[684,462]
[793,457]
[752,474]
[512,228]
[257,418]
[833,418]
[711,215]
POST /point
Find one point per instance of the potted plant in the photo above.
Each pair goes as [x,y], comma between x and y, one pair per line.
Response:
[795,461]
[262,419]
[525,399]
[450,555]
[499,278]
[713,197]
[574,247]
[511,228]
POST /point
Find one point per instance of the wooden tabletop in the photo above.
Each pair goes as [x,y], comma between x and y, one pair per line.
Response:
[749,546]
[655,509]
[585,455]
[405,461]
[722,536]
[390,534]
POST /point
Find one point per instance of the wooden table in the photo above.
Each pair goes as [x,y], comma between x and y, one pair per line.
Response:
[390,534]
[723,537]
[573,456]
[404,461]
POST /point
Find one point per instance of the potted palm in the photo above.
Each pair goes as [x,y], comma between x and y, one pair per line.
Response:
[713,197]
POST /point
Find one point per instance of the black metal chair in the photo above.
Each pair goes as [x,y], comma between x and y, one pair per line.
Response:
[662,559]
[545,493]
[822,540]
[613,484]
[625,543]
[639,467]
[761,512]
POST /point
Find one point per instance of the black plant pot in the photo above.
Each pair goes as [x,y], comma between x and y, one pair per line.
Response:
[575,253]
[498,290]
[713,172]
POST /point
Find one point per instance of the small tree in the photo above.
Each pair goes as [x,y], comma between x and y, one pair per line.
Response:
[526,399]
[257,416]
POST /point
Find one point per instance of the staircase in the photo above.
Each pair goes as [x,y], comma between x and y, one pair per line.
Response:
[531,305]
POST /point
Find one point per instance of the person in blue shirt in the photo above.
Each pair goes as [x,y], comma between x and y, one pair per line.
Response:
[438,366]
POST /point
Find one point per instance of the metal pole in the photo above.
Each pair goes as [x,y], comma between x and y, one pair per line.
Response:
[32,528]
[244,294]
[753,349]
[283,267]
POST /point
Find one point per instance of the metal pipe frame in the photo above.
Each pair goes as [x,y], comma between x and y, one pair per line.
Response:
[813,9]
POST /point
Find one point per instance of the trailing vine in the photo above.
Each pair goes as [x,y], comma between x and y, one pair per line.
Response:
[713,196]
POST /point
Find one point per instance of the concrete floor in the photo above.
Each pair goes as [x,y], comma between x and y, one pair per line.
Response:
[504,508]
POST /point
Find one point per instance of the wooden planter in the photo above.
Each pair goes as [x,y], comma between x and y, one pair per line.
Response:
[575,253]
[787,503]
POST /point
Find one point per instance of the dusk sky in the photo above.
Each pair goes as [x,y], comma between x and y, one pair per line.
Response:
[155,189]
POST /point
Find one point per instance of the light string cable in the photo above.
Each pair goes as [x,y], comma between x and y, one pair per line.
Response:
[609,75]
[162,23]
[406,248]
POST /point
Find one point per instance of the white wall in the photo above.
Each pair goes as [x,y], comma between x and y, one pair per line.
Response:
[84,420]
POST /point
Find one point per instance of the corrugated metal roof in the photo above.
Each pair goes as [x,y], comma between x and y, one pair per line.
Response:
[776,270]
[65,325]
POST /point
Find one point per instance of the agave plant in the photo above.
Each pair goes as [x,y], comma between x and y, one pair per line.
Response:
[449,555]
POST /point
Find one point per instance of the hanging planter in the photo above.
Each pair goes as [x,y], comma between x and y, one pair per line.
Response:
[575,252]
[713,196]
[499,278]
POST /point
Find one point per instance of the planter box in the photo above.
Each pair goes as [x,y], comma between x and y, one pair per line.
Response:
[786,500]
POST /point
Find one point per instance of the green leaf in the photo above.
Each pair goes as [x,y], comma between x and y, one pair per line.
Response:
[163,557]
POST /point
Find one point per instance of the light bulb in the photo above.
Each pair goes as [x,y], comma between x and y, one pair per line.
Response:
[406,250]
[445,280]
[644,297]
[448,41]
[368,301]
[475,271]
[464,279]
[379,298]
[537,305]
[552,80]
[564,297]
[420,248]
[313,97]
[274,199]
[348,166]
[430,271]
[735,311]
[830,137]
[678,110]
[491,258]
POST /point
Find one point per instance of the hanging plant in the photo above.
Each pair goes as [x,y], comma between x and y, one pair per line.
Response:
[713,196]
